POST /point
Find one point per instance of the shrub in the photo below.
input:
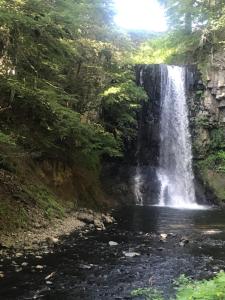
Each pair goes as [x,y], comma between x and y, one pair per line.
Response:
[187,289]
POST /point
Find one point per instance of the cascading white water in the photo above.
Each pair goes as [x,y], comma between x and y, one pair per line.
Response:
[137,187]
[138,181]
[175,162]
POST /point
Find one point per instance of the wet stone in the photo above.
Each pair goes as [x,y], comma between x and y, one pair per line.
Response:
[39,267]
[111,243]
[131,254]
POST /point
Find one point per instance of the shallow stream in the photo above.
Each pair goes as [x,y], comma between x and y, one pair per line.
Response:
[167,242]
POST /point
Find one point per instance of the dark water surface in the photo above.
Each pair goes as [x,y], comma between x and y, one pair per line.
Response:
[84,266]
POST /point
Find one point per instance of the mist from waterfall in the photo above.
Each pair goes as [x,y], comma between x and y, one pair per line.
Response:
[175,160]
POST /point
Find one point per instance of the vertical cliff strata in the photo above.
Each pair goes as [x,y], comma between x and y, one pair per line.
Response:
[208,127]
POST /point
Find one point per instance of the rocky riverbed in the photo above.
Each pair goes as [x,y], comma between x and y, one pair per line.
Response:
[108,264]
[50,232]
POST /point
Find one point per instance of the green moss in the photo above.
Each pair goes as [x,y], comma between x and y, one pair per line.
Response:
[147,293]
[202,121]
[213,175]
[217,139]
[214,162]
[45,200]
[12,216]
[203,66]
[6,139]
[6,163]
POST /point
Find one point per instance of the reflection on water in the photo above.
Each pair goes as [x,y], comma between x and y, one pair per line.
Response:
[205,229]
[191,206]
[158,219]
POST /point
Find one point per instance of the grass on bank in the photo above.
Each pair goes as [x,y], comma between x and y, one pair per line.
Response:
[188,289]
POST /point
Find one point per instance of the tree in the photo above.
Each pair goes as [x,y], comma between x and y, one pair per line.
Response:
[58,60]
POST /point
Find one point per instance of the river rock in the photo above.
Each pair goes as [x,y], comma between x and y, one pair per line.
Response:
[184,240]
[18,270]
[131,254]
[39,267]
[107,219]
[111,243]
[99,225]
[171,234]
[163,237]
[52,240]
[86,217]
[85,267]
[18,254]
[160,249]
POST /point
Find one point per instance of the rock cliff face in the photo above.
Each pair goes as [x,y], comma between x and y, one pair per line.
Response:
[207,107]
[148,140]
[149,77]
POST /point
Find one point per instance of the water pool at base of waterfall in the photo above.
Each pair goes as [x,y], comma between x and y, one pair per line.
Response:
[155,218]
[168,242]
[192,206]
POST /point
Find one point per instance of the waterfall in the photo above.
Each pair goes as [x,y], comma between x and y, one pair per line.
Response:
[138,181]
[175,158]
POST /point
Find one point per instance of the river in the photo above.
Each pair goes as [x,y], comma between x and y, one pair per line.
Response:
[168,242]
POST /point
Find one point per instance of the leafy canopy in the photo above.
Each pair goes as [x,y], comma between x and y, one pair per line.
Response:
[67,92]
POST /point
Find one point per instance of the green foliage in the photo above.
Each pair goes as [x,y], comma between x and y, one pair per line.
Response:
[155,51]
[120,104]
[173,47]
[45,200]
[215,162]
[6,139]
[12,217]
[217,139]
[187,289]
[196,33]
[214,158]
[202,121]
[147,293]
[62,65]
[202,290]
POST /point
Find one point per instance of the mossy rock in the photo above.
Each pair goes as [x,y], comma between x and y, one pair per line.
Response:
[215,181]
